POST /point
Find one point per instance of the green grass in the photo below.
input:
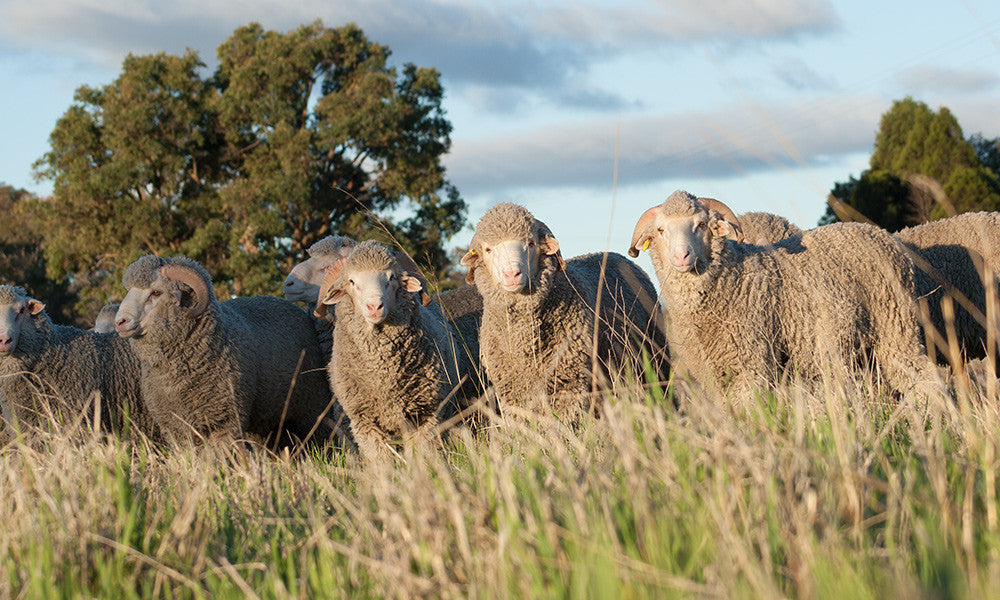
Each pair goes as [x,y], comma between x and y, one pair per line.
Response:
[838,494]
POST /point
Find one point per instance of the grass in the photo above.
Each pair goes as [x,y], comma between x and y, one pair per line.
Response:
[838,494]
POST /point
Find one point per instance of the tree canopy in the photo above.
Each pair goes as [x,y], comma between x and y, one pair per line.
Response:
[917,154]
[21,259]
[295,136]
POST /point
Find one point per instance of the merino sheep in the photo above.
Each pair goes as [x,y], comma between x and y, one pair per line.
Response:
[49,370]
[105,321]
[304,281]
[245,367]
[763,228]
[840,293]
[394,360]
[956,249]
[553,330]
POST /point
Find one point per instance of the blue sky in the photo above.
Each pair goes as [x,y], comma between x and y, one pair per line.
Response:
[763,104]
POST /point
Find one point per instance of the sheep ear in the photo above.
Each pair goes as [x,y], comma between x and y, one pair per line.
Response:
[333,296]
[549,244]
[193,280]
[471,260]
[643,231]
[722,228]
[330,280]
[35,306]
[728,215]
[412,284]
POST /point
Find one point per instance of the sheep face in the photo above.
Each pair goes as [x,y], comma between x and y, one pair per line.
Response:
[373,280]
[679,232]
[374,293]
[304,281]
[105,321]
[510,245]
[15,308]
[175,289]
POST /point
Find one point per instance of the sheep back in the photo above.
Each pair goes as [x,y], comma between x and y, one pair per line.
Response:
[954,248]
[58,371]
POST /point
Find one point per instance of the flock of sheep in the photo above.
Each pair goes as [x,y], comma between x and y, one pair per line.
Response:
[376,360]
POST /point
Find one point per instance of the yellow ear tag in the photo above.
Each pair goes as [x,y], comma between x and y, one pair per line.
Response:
[472,252]
[645,245]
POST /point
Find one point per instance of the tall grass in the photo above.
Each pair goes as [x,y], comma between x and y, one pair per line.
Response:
[835,494]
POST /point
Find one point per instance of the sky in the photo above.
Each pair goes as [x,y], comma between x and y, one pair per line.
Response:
[586,112]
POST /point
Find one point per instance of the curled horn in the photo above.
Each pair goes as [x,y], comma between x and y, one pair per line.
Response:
[639,234]
[726,212]
[544,232]
[331,277]
[192,279]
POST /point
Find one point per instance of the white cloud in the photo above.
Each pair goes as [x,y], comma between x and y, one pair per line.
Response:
[545,46]
[731,142]
[930,78]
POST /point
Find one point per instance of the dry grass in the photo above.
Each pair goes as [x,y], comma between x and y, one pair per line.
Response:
[831,495]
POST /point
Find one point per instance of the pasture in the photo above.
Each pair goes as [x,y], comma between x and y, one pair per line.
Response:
[837,493]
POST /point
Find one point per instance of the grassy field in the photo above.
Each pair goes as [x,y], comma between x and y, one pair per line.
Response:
[841,494]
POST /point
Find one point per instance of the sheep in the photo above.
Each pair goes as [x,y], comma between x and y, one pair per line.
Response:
[955,249]
[394,361]
[554,330]
[763,228]
[49,370]
[243,368]
[302,283]
[842,292]
[304,280]
[105,321]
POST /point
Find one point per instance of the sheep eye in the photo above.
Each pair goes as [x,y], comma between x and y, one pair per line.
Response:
[350,281]
[488,249]
[531,243]
[701,225]
[660,229]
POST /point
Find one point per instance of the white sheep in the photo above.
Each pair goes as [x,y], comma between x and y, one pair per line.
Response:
[840,293]
[245,367]
[395,361]
[555,331]
[105,320]
[49,370]
[956,250]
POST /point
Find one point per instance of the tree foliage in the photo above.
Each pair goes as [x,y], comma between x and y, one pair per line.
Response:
[21,259]
[921,169]
[295,136]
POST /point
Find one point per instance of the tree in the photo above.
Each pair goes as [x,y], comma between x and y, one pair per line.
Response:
[914,148]
[295,136]
[988,152]
[21,260]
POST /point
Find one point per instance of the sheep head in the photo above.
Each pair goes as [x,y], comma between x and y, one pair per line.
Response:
[511,245]
[373,279]
[15,307]
[105,321]
[157,289]
[304,281]
[681,229]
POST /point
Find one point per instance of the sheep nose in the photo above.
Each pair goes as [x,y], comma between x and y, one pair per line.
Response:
[511,274]
[289,283]
[681,256]
[374,307]
[6,342]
